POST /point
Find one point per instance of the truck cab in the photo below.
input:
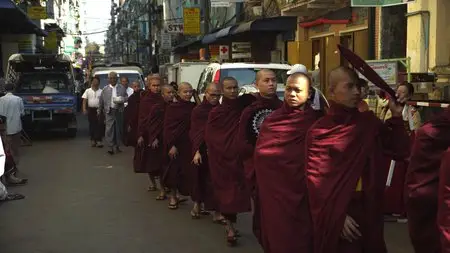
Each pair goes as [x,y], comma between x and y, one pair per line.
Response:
[46,85]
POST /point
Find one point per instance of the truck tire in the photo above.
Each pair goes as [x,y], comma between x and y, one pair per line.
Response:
[71,132]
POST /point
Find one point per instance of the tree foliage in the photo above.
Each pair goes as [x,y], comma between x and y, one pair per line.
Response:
[92,47]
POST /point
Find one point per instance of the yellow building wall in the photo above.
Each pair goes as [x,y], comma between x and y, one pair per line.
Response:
[428,35]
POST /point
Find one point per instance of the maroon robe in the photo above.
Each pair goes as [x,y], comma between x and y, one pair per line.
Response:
[201,188]
[150,126]
[131,118]
[177,122]
[279,161]
[342,147]
[422,180]
[444,202]
[227,171]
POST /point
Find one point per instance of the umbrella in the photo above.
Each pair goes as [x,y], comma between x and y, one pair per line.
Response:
[362,67]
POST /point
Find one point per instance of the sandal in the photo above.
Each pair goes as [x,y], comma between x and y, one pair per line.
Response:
[231,239]
[161,197]
[181,200]
[152,189]
[195,215]
[222,221]
[13,196]
[22,181]
[173,206]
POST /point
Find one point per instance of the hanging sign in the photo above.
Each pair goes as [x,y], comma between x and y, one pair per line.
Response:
[191,18]
[37,12]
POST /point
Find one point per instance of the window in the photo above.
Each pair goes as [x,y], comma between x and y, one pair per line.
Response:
[131,78]
[37,82]
[248,76]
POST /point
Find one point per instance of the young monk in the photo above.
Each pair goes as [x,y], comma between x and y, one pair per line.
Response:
[444,197]
[201,187]
[279,161]
[177,144]
[148,153]
[227,172]
[344,180]
[422,179]
[131,116]
[266,82]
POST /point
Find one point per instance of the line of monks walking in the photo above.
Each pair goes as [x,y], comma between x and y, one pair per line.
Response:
[312,178]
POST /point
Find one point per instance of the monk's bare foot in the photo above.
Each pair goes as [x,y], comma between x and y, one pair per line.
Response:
[99,144]
[195,212]
[152,188]
[173,203]
[161,196]
[231,236]
[219,219]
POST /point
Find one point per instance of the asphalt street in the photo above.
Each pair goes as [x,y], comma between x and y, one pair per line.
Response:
[80,199]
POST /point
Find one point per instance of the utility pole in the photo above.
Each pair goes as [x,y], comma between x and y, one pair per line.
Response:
[206,20]
[150,37]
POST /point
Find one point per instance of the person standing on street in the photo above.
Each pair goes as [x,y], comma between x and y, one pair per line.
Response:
[111,105]
[345,182]
[91,99]
[12,108]
[126,84]
[266,102]
[131,115]
[227,172]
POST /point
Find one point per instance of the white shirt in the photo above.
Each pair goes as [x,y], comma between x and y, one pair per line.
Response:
[93,97]
[113,95]
[12,108]
[2,158]
[130,92]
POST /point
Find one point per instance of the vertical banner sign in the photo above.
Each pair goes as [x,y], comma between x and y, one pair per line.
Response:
[37,12]
[51,41]
[191,18]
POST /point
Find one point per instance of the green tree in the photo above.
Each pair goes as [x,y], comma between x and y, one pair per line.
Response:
[92,47]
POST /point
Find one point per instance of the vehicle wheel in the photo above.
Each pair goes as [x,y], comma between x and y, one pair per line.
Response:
[71,132]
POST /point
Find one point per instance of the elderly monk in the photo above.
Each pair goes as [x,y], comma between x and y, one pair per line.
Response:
[345,151]
[443,215]
[422,180]
[227,172]
[131,116]
[266,101]
[201,187]
[279,161]
[177,145]
[148,154]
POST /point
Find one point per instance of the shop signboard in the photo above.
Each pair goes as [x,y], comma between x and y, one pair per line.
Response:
[166,40]
[387,70]
[37,12]
[51,41]
[191,18]
[375,3]
[174,27]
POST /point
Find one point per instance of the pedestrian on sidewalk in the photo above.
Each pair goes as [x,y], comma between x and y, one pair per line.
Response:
[111,105]
[4,194]
[12,107]
[91,98]
[131,116]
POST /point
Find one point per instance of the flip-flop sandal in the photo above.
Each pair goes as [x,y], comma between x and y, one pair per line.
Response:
[152,189]
[205,213]
[220,221]
[22,181]
[13,196]
[173,206]
[161,197]
[182,200]
[194,215]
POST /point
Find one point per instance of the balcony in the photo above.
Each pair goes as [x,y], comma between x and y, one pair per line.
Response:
[310,7]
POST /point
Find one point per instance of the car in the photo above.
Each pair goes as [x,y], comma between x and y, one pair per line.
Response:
[132,72]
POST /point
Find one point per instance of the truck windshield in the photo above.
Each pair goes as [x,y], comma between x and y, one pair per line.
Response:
[43,83]
[131,78]
[248,76]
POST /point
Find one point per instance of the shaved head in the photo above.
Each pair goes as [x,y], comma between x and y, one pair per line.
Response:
[297,90]
[213,87]
[168,93]
[266,82]
[260,74]
[185,91]
[213,93]
[167,87]
[294,77]
[344,86]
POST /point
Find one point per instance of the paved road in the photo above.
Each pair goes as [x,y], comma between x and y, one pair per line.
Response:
[80,199]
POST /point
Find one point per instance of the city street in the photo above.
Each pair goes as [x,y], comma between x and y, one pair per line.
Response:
[79,199]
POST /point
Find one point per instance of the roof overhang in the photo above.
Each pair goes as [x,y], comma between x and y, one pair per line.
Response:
[15,21]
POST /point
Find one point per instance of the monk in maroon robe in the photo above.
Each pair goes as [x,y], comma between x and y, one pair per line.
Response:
[345,151]
[177,145]
[131,116]
[422,183]
[148,153]
[227,172]
[279,161]
[266,101]
[201,185]
[444,202]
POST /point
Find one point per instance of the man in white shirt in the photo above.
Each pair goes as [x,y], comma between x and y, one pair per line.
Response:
[12,108]
[111,104]
[91,99]
[126,83]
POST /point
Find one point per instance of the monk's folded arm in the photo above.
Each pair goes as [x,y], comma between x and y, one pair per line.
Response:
[395,139]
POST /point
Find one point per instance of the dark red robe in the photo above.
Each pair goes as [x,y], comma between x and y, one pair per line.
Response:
[279,161]
[227,171]
[131,118]
[443,219]
[343,147]
[150,126]
[422,180]
[177,122]
[201,187]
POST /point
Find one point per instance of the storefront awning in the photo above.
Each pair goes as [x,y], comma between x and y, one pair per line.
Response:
[212,37]
[186,44]
[15,21]
[341,16]
[274,24]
